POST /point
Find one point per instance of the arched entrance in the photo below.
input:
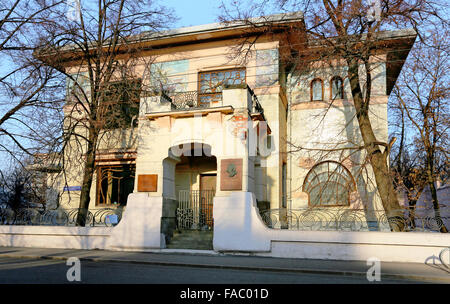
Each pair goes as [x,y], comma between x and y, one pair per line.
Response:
[195,187]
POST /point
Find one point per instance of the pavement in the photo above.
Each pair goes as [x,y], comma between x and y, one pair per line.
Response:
[432,272]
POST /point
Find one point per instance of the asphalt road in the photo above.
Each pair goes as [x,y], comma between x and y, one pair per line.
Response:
[46,271]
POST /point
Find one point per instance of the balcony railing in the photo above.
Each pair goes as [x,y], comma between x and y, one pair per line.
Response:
[191,100]
[187,100]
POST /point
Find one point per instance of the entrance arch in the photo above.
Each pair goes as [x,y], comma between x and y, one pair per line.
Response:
[195,187]
[191,181]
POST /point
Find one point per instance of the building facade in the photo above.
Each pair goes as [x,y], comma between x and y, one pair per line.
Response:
[210,123]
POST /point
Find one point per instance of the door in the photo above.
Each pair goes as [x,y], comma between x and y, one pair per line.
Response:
[207,192]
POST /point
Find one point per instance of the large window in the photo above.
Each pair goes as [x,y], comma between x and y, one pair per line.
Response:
[114,184]
[212,83]
[317,90]
[329,184]
[120,104]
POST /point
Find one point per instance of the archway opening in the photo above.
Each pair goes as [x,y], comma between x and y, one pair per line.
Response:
[195,187]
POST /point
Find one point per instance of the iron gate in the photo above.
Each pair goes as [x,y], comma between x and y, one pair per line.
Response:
[194,210]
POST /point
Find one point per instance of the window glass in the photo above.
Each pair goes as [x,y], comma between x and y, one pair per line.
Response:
[317,89]
[212,83]
[328,184]
[77,85]
[120,104]
[115,183]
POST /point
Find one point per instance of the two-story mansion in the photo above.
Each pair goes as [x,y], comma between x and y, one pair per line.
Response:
[213,130]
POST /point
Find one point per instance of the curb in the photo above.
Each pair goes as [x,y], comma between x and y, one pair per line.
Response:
[248,268]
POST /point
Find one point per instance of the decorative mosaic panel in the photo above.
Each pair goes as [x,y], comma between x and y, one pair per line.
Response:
[170,76]
[266,67]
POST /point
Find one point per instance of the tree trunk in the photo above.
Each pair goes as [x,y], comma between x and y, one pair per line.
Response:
[437,211]
[378,159]
[88,173]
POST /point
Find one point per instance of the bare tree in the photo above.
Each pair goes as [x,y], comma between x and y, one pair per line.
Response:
[26,127]
[422,95]
[96,49]
[351,30]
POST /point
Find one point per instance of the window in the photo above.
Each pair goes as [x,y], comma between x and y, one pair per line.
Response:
[337,88]
[284,186]
[77,86]
[212,83]
[317,89]
[329,184]
[120,104]
[114,184]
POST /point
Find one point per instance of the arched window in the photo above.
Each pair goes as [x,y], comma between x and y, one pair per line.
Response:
[317,89]
[329,184]
[337,88]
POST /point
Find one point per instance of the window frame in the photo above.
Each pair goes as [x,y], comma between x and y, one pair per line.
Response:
[99,183]
[311,89]
[350,189]
[132,103]
[200,73]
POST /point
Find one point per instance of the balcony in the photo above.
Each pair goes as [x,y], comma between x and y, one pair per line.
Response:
[232,97]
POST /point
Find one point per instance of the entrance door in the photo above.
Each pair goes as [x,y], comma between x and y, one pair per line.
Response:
[207,192]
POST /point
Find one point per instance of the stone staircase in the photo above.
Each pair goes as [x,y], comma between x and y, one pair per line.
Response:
[191,239]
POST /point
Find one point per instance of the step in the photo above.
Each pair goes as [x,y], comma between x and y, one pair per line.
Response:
[191,239]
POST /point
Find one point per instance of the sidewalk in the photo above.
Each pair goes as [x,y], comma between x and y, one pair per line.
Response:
[208,259]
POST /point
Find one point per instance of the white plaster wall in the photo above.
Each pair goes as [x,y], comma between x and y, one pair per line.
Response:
[54,237]
[411,247]
[237,225]
[140,226]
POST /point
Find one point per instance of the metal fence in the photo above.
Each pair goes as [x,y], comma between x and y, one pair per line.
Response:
[30,216]
[195,209]
[346,219]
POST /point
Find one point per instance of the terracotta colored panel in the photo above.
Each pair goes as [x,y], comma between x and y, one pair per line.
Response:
[231,174]
[148,183]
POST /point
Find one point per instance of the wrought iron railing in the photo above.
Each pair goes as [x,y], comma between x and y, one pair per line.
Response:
[346,219]
[193,100]
[31,216]
[187,100]
[195,209]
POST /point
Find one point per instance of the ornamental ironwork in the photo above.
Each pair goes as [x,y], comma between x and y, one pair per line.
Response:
[59,217]
[348,219]
[186,100]
[194,210]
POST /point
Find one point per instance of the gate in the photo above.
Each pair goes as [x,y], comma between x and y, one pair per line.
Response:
[194,210]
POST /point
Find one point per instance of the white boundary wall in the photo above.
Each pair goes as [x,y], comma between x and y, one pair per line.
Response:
[54,237]
[248,233]
[237,228]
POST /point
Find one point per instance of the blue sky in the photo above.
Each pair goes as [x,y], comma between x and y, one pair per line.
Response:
[194,12]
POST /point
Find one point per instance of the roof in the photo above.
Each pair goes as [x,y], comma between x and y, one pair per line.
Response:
[220,26]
